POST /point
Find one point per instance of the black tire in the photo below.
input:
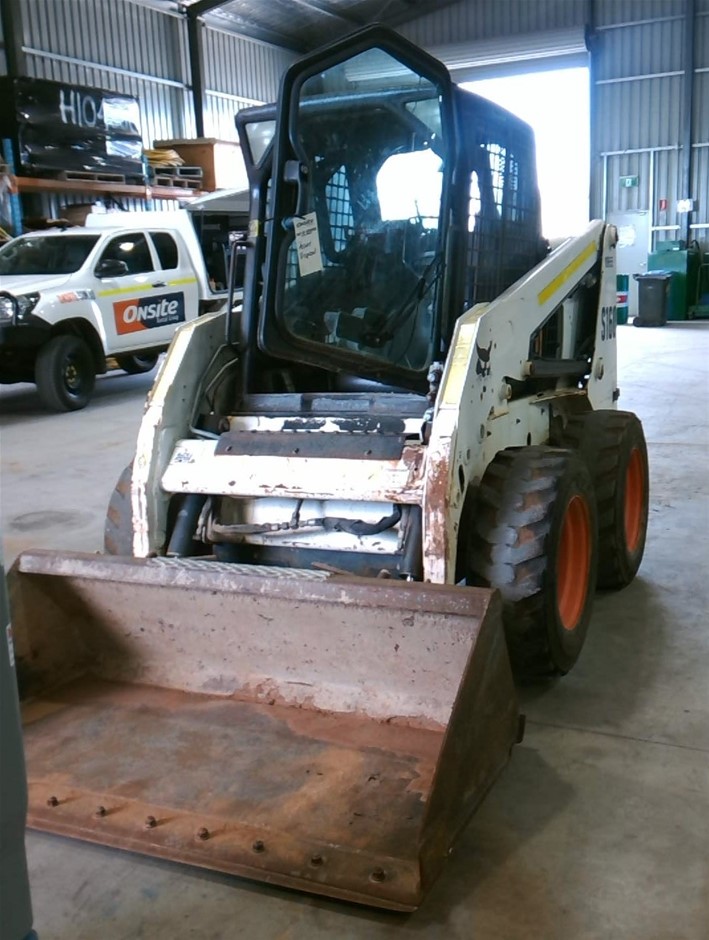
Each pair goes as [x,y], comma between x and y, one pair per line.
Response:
[137,365]
[64,373]
[118,530]
[612,444]
[535,539]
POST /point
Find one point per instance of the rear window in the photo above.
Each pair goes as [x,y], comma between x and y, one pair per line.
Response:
[166,248]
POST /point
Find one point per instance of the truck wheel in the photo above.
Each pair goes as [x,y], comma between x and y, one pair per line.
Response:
[535,539]
[118,530]
[137,365]
[612,444]
[64,373]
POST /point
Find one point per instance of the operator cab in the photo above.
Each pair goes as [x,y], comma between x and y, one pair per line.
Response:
[385,202]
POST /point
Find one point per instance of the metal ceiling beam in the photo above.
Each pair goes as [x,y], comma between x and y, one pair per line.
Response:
[265,34]
[200,7]
[194,45]
[241,27]
[416,8]
[687,115]
[321,6]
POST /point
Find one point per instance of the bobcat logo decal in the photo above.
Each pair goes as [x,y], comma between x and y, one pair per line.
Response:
[482,367]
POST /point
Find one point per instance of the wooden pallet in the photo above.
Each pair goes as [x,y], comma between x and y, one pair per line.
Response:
[167,169]
[193,172]
[91,176]
[179,182]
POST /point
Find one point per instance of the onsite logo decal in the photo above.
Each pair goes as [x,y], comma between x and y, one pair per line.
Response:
[147,313]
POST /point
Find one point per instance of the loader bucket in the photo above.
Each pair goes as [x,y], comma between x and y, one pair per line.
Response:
[326,734]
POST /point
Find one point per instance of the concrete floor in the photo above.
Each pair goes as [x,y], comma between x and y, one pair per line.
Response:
[599,827]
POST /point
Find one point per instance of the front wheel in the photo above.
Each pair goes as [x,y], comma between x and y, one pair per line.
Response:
[137,365]
[64,373]
[534,538]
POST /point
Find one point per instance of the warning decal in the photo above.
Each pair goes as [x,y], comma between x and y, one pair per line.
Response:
[146,313]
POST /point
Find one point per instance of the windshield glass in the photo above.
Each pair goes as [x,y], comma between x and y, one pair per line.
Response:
[362,268]
[46,254]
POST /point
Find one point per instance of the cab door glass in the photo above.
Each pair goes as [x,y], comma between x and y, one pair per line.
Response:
[166,248]
[366,282]
[132,249]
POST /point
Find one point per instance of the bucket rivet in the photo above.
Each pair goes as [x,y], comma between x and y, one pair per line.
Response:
[258,846]
[150,822]
[378,875]
[100,811]
[203,833]
[316,860]
[52,801]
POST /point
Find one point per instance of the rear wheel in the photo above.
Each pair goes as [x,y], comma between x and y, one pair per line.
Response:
[118,530]
[534,538]
[64,373]
[612,444]
[137,365]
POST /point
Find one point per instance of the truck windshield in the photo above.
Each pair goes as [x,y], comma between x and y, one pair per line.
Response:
[361,271]
[46,254]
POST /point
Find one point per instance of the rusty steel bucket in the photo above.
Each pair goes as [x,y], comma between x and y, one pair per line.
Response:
[328,734]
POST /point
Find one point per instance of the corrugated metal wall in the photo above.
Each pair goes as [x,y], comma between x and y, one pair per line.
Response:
[700,169]
[639,83]
[485,19]
[640,77]
[638,61]
[238,72]
[137,50]
[121,46]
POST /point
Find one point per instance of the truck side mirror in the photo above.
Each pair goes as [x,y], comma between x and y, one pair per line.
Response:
[111,267]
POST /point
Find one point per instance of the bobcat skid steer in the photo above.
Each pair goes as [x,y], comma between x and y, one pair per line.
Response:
[354,512]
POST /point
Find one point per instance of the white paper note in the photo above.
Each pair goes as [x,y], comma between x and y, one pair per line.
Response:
[307,242]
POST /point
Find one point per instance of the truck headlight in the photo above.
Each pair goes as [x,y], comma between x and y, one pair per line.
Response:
[7,307]
[18,307]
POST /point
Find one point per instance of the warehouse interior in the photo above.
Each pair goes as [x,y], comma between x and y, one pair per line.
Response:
[599,825]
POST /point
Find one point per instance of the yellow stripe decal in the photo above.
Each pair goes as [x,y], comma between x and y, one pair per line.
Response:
[457,374]
[119,290]
[134,289]
[570,269]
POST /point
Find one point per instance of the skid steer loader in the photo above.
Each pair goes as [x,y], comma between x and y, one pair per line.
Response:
[354,511]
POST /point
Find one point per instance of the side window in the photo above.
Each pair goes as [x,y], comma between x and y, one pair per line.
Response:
[132,247]
[503,241]
[166,248]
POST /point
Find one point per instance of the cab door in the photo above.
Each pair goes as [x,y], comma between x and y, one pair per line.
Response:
[138,309]
[176,271]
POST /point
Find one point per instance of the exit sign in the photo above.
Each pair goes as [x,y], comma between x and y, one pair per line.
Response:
[627,182]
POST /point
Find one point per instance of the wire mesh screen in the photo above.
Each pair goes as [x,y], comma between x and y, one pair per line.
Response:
[503,236]
[337,196]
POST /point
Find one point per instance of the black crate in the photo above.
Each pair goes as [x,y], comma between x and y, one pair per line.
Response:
[57,126]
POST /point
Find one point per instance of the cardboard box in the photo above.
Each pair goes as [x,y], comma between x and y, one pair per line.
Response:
[221,161]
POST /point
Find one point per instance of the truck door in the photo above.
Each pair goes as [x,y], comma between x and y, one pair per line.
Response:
[176,270]
[138,308]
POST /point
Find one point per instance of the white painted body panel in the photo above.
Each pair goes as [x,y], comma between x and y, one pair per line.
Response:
[194,468]
[473,419]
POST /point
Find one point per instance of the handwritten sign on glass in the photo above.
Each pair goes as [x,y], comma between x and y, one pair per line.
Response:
[307,242]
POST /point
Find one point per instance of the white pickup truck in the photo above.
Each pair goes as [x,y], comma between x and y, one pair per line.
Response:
[117,287]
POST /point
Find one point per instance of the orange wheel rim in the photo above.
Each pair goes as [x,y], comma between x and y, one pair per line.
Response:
[574,562]
[634,500]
